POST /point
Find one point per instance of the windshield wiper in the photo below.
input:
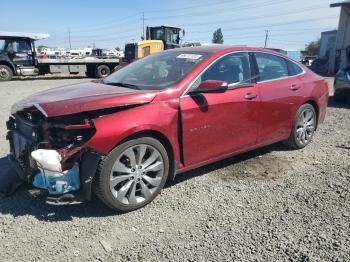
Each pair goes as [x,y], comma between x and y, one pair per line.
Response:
[122,85]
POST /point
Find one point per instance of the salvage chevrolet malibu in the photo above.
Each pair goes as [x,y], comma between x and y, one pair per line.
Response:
[124,136]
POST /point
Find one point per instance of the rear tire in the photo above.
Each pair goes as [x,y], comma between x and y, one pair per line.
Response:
[6,73]
[132,174]
[303,128]
[102,71]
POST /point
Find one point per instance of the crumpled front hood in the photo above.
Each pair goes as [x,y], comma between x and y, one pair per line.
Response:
[83,97]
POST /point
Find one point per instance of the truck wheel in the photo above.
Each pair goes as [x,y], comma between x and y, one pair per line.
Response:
[102,71]
[6,73]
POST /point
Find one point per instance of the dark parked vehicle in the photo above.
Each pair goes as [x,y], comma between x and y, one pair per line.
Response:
[18,57]
[307,60]
[320,67]
[342,85]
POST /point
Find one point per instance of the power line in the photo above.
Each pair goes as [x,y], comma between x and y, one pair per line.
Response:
[191,6]
[231,9]
[109,25]
[128,30]
[120,37]
[201,23]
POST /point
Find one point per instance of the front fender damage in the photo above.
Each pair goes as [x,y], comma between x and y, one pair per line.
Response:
[64,137]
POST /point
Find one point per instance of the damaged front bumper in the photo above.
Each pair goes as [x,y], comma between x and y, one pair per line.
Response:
[30,131]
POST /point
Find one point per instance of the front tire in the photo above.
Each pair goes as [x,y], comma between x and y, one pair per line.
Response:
[132,174]
[6,73]
[303,129]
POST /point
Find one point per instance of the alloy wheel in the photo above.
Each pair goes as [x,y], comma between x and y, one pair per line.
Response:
[136,174]
[305,126]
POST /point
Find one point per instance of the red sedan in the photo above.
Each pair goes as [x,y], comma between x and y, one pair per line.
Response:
[126,135]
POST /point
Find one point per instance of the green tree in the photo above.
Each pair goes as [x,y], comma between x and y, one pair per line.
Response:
[218,37]
[313,47]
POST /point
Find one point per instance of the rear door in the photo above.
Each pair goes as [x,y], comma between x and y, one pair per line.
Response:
[220,123]
[280,95]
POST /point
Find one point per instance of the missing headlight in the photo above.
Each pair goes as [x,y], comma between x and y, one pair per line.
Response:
[66,135]
[60,138]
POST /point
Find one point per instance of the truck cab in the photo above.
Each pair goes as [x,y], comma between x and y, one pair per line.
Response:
[158,38]
[17,54]
[168,34]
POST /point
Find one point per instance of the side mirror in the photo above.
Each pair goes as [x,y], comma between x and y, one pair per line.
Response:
[210,86]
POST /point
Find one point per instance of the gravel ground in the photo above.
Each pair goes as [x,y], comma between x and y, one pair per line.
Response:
[267,205]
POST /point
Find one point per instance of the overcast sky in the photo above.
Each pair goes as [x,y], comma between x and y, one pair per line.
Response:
[110,24]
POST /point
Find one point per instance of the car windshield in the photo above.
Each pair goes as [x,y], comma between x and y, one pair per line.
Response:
[158,71]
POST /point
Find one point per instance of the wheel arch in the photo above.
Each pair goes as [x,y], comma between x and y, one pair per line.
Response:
[315,106]
[6,63]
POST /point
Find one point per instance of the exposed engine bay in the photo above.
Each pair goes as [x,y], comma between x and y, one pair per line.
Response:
[52,152]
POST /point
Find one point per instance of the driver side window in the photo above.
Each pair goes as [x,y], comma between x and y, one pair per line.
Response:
[233,69]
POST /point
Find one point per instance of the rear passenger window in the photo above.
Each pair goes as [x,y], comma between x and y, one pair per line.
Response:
[271,66]
[294,69]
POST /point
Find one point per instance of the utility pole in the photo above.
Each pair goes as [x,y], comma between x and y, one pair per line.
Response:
[70,44]
[266,37]
[143,25]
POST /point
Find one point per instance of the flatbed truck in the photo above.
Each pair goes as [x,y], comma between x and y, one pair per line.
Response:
[18,57]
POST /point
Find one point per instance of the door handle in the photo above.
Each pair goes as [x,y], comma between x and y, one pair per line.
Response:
[295,87]
[250,96]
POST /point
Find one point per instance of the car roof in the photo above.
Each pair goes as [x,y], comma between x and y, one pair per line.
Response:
[215,48]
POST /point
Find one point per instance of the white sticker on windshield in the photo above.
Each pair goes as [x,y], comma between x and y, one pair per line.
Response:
[189,56]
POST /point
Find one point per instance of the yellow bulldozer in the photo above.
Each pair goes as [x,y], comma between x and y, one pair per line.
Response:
[158,38]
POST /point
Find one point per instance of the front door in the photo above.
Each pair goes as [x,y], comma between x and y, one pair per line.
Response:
[20,51]
[220,123]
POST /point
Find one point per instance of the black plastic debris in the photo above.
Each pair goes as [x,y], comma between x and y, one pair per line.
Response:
[10,176]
